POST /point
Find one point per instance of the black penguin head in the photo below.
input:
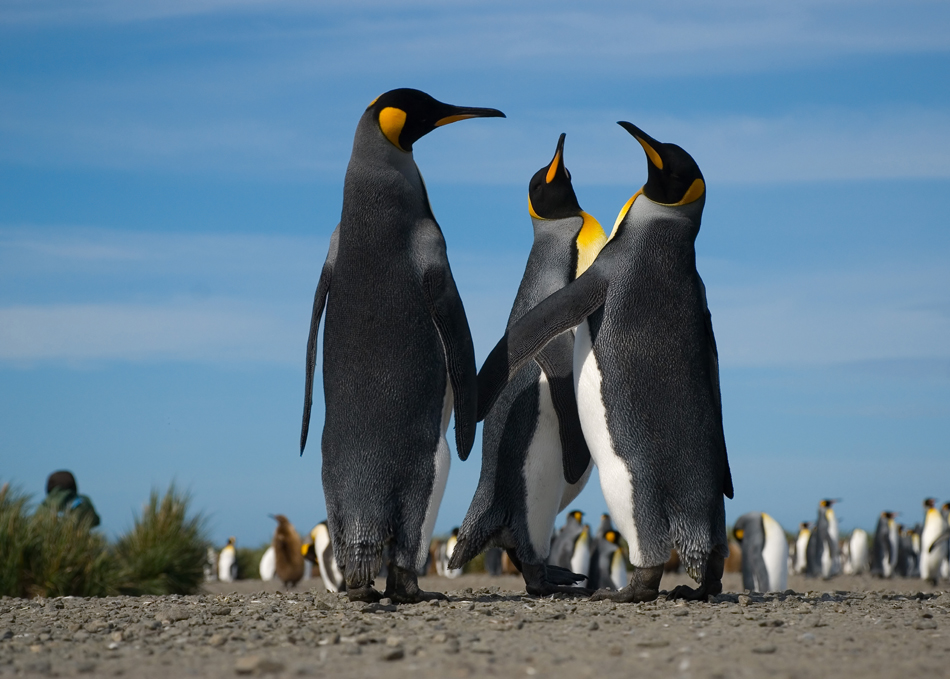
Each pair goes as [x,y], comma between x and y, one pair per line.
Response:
[825,504]
[888,515]
[405,115]
[673,177]
[930,503]
[550,193]
[577,515]
[309,551]
[804,525]
[612,536]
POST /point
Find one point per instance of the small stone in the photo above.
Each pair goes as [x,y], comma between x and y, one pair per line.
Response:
[386,601]
[217,640]
[807,636]
[481,647]
[594,626]
[256,664]
[85,666]
[220,610]
[439,638]
[653,643]
[173,614]
[393,641]
[80,636]
[6,635]
[452,646]
[680,612]
[393,654]
[615,650]
[331,640]
[925,623]
[764,649]
[116,636]
[744,600]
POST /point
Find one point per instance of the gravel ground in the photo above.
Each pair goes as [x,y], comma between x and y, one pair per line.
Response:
[846,627]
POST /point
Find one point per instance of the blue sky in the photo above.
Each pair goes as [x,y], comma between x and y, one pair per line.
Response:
[170,173]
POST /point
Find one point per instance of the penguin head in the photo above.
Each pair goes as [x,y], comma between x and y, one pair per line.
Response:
[804,525]
[576,514]
[612,536]
[673,177]
[930,503]
[406,115]
[231,541]
[309,552]
[550,192]
[455,532]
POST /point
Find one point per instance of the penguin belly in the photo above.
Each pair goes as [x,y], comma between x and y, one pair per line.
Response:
[543,473]
[268,565]
[580,560]
[616,481]
[775,554]
[443,460]
[930,561]
[618,569]
[226,565]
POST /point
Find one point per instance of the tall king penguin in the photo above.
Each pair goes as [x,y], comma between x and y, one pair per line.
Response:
[931,555]
[398,354]
[824,557]
[534,457]
[646,377]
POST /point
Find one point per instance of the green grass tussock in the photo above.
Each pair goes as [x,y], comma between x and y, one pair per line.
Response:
[165,551]
[249,561]
[14,541]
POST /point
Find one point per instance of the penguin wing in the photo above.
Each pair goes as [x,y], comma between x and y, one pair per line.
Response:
[557,362]
[727,488]
[557,313]
[943,537]
[319,300]
[448,314]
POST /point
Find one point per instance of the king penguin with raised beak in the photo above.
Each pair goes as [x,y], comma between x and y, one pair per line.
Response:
[646,376]
[398,353]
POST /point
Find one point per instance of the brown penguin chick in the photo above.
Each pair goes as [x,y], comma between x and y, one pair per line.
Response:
[287,552]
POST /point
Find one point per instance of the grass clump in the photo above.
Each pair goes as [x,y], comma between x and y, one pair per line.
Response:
[14,541]
[165,551]
[249,561]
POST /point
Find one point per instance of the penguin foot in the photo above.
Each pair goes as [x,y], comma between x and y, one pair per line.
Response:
[402,586]
[712,582]
[545,579]
[365,594]
[644,585]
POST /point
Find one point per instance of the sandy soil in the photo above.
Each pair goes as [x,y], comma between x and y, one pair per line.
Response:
[845,627]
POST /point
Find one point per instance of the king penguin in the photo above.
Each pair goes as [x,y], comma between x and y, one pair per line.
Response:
[886,540]
[534,457]
[764,552]
[227,562]
[931,555]
[320,552]
[858,551]
[608,568]
[267,568]
[398,353]
[562,545]
[288,552]
[646,378]
[824,557]
[801,547]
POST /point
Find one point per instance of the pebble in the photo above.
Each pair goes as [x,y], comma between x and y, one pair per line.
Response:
[255,664]
[764,649]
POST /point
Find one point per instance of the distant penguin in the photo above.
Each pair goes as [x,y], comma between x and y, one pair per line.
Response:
[580,557]
[448,550]
[211,565]
[934,526]
[886,543]
[288,552]
[824,558]
[562,547]
[227,562]
[605,526]
[398,353]
[764,552]
[608,566]
[801,547]
[534,457]
[320,552]
[646,377]
[908,553]
[268,565]
[943,543]
[858,552]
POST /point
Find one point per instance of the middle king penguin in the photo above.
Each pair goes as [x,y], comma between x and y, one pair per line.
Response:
[646,376]
[534,457]
[398,353]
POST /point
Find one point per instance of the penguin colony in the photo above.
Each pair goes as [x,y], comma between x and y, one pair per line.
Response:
[608,359]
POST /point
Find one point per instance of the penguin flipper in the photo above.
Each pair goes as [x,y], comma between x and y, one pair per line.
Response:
[448,314]
[557,362]
[319,300]
[727,488]
[943,537]
[559,312]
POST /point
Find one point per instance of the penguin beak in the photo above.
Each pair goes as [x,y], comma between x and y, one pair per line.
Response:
[649,144]
[453,114]
[558,162]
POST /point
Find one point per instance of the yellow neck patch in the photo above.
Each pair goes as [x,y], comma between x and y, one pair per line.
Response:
[695,190]
[590,241]
[374,101]
[552,170]
[623,212]
[531,210]
[651,153]
[391,122]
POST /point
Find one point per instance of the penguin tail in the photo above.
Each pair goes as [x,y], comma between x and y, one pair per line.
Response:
[466,549]
[474,537]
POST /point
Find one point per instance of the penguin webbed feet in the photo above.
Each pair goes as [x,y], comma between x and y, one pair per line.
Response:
[644,585]
[545,579]
[366,594]
[712,582]
[402,586]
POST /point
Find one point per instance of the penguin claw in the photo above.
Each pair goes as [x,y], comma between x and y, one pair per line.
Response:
[627,595]
[402,586]
[562,576]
